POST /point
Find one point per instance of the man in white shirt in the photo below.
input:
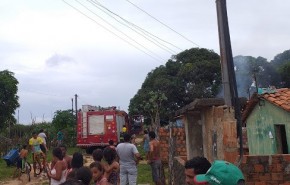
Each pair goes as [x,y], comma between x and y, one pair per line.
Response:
[43,146]
[128,159]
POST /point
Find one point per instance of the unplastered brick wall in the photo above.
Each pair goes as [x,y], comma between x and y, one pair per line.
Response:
[178,148]
[267,169]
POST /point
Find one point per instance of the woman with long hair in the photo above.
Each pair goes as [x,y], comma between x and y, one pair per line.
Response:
[112,168]
[57,174]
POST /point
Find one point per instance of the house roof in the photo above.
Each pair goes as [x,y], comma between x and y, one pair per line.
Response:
[199,103]
[278,97]
[281,98]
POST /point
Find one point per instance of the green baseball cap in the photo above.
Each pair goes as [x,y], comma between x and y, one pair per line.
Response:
[220,173]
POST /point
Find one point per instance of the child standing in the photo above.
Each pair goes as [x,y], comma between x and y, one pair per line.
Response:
[98,173]
[22,158]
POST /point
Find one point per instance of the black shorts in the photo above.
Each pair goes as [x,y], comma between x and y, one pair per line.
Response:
[43,149]
[19,163]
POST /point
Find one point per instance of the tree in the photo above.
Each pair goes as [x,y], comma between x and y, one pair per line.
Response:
[281,59]
[193,73]
[284,71]
[65,120]
[250,70]
[281,64]
[8,98]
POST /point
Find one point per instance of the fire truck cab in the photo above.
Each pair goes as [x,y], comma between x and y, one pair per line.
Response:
[96,126]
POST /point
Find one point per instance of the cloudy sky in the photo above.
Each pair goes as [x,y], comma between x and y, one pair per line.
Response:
[98,49]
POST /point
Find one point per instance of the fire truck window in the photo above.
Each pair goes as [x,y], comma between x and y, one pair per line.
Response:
[109,117]
[96,124]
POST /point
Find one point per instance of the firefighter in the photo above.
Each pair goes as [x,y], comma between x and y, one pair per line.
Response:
[124,130]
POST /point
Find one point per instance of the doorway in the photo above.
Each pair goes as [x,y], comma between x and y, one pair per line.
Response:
[281,139]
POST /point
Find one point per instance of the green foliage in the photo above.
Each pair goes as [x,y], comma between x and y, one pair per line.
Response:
[20,134]
[5,171]
[281,59]
[65,120]
[193,73]
[248,68]
[8,98]
[284,71]
[274,73]
[281,64]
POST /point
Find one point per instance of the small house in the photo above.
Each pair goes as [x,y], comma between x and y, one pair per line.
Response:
[210,129]
[267,119]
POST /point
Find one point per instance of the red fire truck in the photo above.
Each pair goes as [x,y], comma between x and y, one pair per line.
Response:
[96,126]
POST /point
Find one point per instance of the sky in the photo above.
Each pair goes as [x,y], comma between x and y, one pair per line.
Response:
[60,48]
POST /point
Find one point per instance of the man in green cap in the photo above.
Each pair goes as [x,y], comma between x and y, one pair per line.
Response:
[221,173]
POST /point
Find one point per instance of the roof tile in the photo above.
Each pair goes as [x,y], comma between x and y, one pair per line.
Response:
[286,107]
[281,98]
[272,95]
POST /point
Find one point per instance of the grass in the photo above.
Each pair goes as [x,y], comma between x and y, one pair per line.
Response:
[6,172]
[144,174]
[144,170]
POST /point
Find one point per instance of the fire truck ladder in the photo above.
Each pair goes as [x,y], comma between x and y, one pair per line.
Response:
[84,125]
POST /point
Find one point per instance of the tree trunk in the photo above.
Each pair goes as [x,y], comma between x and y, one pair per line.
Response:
[157,124]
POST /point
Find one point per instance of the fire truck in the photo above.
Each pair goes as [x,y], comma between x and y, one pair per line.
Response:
[96,126]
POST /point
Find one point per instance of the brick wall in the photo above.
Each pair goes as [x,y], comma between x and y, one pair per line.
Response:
[268,169]
[180,144]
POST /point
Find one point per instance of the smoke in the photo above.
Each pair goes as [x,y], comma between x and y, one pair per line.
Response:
[244,78]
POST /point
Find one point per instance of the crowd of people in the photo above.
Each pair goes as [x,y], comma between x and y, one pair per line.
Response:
[117,165]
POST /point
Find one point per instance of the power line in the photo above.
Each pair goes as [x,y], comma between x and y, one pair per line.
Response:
[42,93]
[154,37]
[153,57]
[119,30]
[162,23]
[157,43]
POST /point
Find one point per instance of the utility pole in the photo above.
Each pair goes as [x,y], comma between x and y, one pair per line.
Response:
[72,105]
[225,49]
[228,73]
[76,107]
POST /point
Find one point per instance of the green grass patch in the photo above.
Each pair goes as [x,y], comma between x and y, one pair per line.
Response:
[144,174]
[72,150]
[6,172]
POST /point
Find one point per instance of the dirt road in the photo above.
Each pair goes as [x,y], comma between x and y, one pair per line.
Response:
[41,179]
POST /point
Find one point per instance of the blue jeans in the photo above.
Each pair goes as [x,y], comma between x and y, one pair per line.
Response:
[128,174]
[156,170]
